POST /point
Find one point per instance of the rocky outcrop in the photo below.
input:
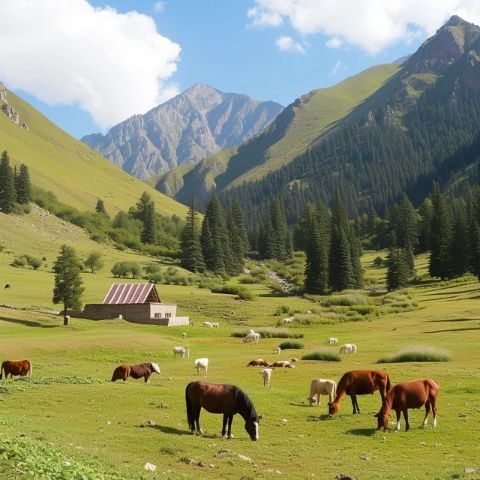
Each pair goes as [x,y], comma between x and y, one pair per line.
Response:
[189,127]
[8,110]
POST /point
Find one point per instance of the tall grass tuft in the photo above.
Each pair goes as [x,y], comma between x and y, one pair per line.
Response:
[323,355]
[269,333]
[291,345]
[418,353]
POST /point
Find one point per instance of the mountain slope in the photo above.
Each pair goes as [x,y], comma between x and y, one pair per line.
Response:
[67,167]
[187,128]
[290,135]
[422,125]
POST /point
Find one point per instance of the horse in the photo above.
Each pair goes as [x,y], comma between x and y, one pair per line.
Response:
[266,375]
[122,372]
[183,352]
[201,364]
[7,285]
[21,368]
[359,382]
[259,362]
[251,337]
[320,386]
[348,348]
[282,364]
[332,341]
[407,395]
[220,398]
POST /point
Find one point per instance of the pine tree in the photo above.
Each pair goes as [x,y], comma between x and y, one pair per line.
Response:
[215,240]
[280,242]
[191,250]
[316,270]
[7,185]
[238,237]
[341,273]
[100,207]
[149,231]
[68,287]
[397,269]
[440,234]
[459,243]
[475,252]
[23,186]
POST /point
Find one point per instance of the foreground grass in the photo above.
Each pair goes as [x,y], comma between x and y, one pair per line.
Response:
[69,405]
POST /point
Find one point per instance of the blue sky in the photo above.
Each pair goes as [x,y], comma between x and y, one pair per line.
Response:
[232,45]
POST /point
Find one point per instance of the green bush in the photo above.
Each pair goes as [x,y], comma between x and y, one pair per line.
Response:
[283,310]
[418,353]
[124,269]
[19,262]
[246,280]
[291,345]
[324,355]
[244,293]
[346,299]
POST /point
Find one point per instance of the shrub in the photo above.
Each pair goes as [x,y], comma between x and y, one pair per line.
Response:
[19,262]
[418,353]
[246,280]
[324,355]
[291,345]
[379,262]
[283,310]
[244,293]
[346,299]
[227,289]
[269,333]
[123,269]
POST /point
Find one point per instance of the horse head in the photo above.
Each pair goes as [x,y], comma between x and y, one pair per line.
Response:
[382,419]
[251,426]
[332,408]
[155,367]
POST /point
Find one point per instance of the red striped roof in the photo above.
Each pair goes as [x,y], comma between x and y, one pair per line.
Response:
[121,293]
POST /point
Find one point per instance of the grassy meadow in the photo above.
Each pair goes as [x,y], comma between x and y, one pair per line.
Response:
[69,421]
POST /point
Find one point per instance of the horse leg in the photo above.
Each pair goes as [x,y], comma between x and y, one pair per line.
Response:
[353,398]
[197,422]
[427,411]
[230,420]
[224,426]
[405,415]
[146,377]
[434,411]
[398,412]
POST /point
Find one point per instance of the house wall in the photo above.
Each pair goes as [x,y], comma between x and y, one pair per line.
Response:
[148,313]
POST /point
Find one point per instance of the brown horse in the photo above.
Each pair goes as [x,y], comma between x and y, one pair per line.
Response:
[219,398]
[16,367]
[259,362]
[143,370]
[407,395]
[359,382]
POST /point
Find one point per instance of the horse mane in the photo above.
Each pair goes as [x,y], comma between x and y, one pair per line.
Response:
[244,404]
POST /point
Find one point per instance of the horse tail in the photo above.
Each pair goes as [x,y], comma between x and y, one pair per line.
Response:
[30,368]
[388,383]
[2,369]
[190,416]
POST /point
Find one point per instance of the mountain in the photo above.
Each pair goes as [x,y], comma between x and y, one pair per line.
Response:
[76,174]
[184,130]
[410,124]
[294,130]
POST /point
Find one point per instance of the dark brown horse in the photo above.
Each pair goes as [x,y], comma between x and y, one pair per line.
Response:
[359,382]
[16,367]
[218,398]
[259,362]
[143,370]
[407,395]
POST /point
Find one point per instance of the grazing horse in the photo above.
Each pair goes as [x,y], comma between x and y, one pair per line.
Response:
[407,395]
[251,337]
[16,367]
[320,386]
[220,398]
[259,362]
[122,372]
[360,382]
[282,364]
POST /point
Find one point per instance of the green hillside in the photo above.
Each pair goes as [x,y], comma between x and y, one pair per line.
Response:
[70,169]
[290,135]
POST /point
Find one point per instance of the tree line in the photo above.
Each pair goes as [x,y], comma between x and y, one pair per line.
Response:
[15,185]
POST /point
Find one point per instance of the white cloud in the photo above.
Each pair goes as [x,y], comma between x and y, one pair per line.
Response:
[371,25]
[334,42]
[288,44]
[112,65]
[159,6]
[337,67]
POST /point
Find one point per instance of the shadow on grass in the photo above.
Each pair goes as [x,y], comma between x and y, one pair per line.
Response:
[453,320]
[319,418]
[454,330]
[362,432]
[169,430]
[28,323]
